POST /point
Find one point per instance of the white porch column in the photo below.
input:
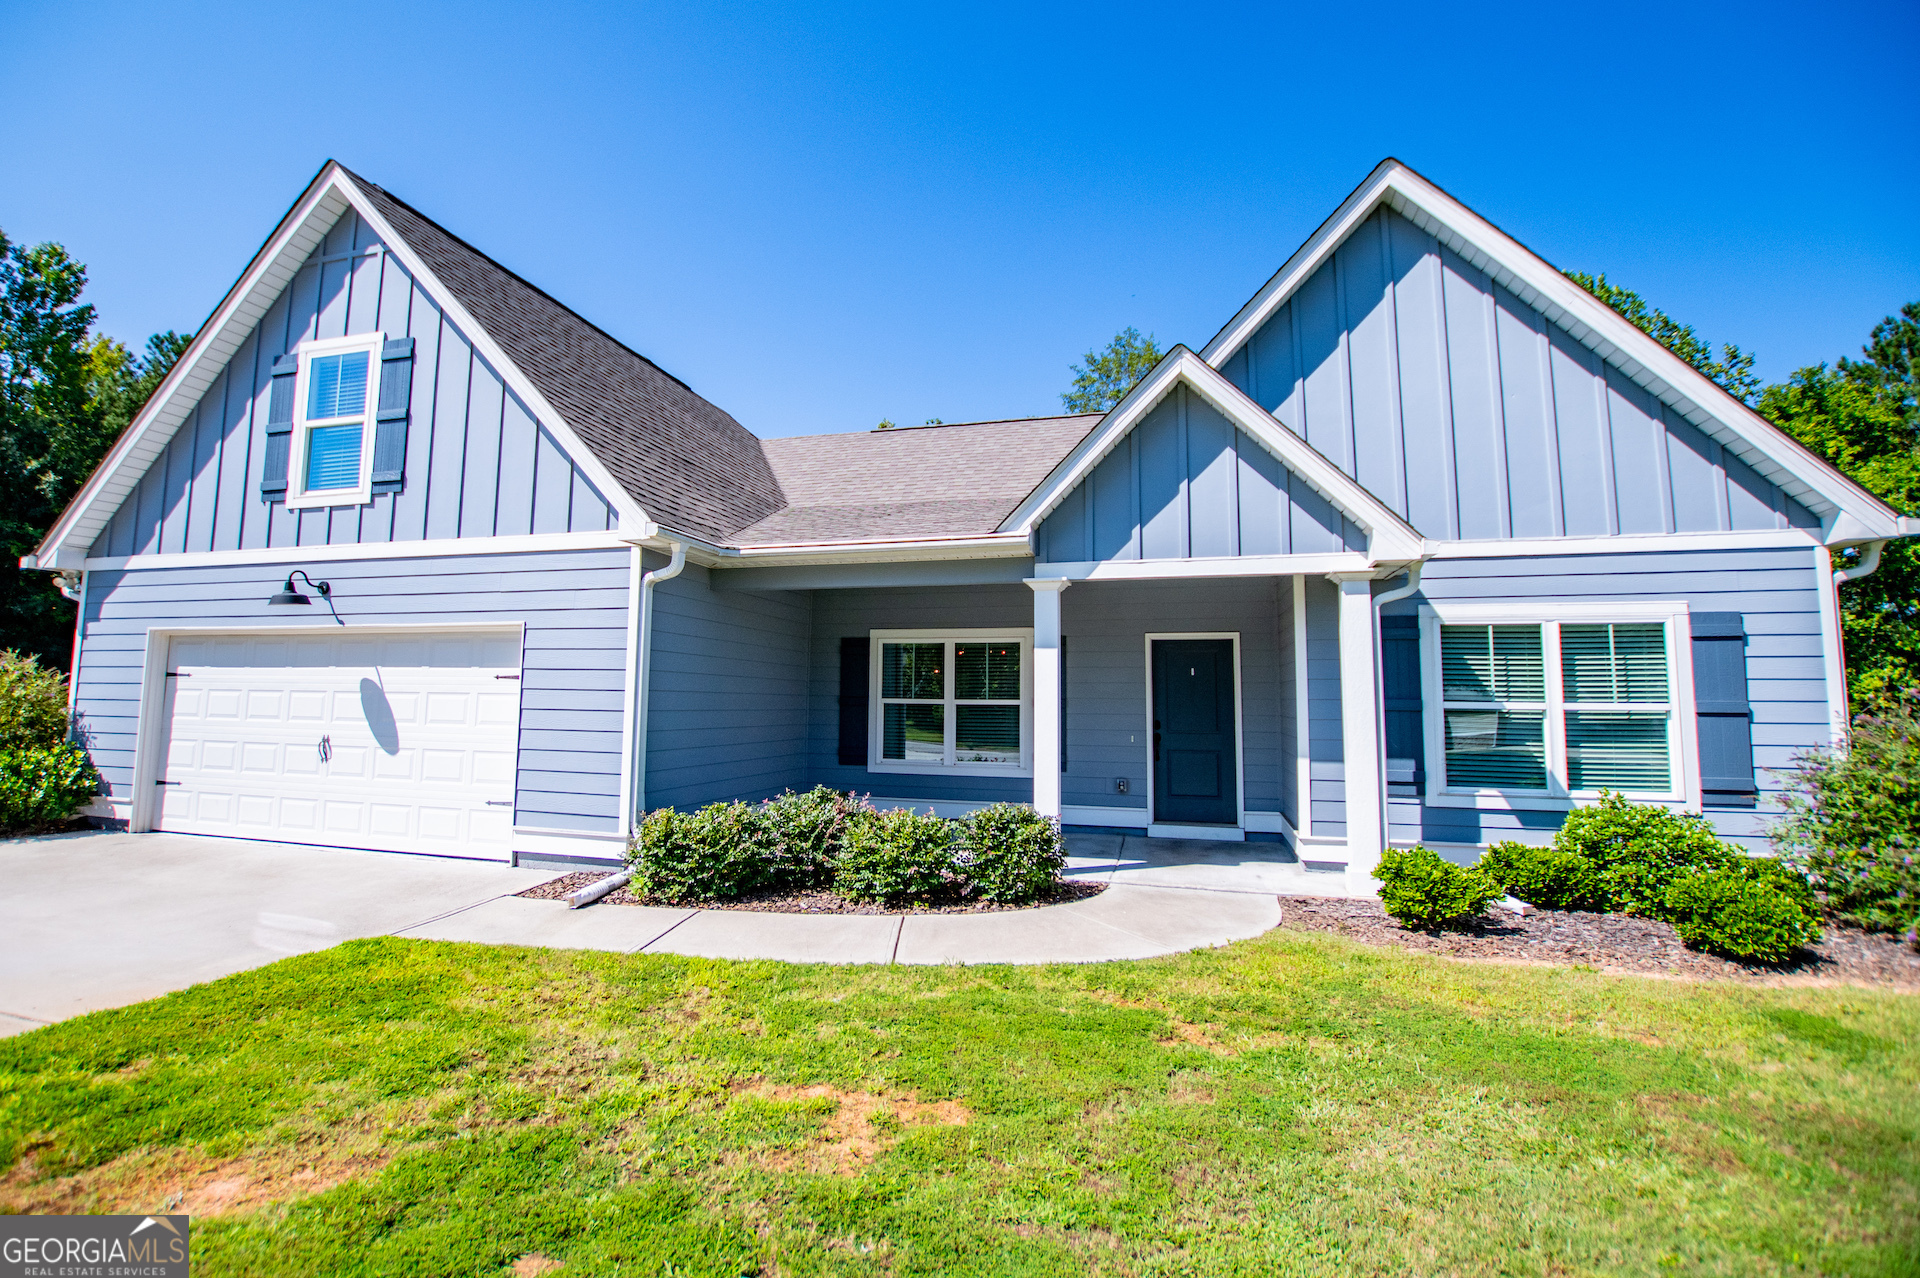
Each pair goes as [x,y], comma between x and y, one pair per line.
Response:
[1360,727]
[1046,696]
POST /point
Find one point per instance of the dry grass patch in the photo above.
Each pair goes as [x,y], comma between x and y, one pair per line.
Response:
[858,1129]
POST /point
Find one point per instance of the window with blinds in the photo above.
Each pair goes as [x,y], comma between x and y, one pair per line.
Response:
[951,702]
[334,422]
[1604,719]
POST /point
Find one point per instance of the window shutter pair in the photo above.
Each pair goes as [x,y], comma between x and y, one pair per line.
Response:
[1722,710]
[1400,691]
[389,421]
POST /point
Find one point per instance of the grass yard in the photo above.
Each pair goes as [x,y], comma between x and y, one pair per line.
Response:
[1297,1104]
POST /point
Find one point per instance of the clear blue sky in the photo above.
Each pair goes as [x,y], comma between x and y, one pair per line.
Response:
[822,216]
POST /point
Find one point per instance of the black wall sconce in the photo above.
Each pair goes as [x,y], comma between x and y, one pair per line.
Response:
[288,595]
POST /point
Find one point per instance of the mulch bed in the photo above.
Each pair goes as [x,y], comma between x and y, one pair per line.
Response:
[1615,943]
[808,902]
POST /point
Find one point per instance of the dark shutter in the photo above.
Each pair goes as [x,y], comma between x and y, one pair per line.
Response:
[273,467]
[1063,705]
[1400,691]
[1724,714]
[854,659]
[390,418]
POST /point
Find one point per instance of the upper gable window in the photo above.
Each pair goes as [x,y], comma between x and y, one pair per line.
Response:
[331,461]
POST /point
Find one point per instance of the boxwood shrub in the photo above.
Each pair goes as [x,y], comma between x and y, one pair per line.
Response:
[43,786]
[803,834]
[1424,891]
[1547,877]
[896,856]
[1009,853]
[721,851]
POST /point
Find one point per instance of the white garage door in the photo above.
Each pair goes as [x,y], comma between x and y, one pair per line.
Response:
[399,742]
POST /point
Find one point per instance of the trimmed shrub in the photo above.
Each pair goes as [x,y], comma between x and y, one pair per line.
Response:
[803,833]
[894,856]
[1422,890]
[1546,877]
[33,704]
[719,852]
[1742,914]
[1638,850]
[1853,819]
[1009,853]
[44,785]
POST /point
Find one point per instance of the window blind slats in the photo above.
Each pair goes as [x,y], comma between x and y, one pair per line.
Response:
[337,386]
[1617,751]
[1497,749]
[1492,663]
[1613,663]
[333,457]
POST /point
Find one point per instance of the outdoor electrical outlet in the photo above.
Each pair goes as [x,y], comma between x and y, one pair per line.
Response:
[1119,785]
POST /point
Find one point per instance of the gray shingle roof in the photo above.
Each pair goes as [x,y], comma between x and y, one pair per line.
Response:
[689,465]
[922,481]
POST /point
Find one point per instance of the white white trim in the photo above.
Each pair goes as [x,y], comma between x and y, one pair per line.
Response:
[1129,818]
[1833,660]
[1389,537]
[536,841]
[1302,721]
[361,494]
[149,745]
[1850,513]
[1214,833]
[448,547]
[1363,766]
[876,708]
[1048,727]
[630,692]
[1239,732]
[879,550]
[1212,566]
[1682,730]
[1625,544]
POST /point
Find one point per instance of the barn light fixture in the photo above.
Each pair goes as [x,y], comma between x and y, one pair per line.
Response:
[288,595]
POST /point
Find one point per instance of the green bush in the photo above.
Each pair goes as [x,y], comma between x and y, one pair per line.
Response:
[1638,850]
[1546,877]
[895,856]
[44,785]
[33,704]
[1743,913]
[1853,820]
[1009,853]
[803,834]
[721,851]
[1423,891]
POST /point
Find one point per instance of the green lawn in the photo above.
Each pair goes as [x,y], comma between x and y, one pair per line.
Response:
[1293,1104]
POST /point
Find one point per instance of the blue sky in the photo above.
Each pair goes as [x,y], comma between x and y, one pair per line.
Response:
[819,217]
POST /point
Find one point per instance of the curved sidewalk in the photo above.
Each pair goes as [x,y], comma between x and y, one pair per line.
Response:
[1163,896]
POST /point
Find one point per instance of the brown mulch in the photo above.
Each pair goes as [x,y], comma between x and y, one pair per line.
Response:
[1615,943]
[821,902]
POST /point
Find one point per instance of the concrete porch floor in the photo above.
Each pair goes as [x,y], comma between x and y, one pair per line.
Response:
[1132,860]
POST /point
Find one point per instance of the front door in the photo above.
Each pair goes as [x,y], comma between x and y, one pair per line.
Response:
[1196,770]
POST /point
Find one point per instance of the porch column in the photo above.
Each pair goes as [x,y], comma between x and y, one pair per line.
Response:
[1046,696]
[1360,726]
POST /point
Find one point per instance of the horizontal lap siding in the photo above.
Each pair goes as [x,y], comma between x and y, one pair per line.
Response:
[1777,594]
[573,605]
[727,705]
[474,460]
[1472,416]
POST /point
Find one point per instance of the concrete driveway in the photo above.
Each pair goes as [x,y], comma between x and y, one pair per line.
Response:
[102,920]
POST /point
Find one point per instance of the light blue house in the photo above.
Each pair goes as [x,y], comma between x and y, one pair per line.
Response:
[1425,544]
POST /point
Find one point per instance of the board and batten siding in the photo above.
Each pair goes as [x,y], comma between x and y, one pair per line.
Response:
[477,463]
[573,605]
[1776,593]
[1185,483]
[727,714]
[1470,415]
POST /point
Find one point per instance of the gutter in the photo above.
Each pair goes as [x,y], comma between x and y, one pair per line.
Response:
[1869,560]
[637,764]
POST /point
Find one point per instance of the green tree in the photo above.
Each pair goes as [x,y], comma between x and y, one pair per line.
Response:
[1108,375]
[1732,372]
[64,399]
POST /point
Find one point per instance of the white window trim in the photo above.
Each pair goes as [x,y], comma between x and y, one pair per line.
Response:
[876,711]
[1682,732]
[298,498]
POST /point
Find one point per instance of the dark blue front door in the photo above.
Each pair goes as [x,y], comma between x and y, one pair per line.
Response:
[1196,772]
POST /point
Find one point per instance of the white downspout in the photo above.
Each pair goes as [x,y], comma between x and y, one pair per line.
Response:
[637,765]
[1842,711]
[1869,560]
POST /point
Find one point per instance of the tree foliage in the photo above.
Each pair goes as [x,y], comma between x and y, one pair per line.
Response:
[65,396]
[1732,371]
[1108,375]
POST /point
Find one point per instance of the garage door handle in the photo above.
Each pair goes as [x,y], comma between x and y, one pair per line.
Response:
[166,783]
[499,803]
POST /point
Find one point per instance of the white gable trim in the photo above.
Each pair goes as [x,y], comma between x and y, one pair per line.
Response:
[1848,512]
[324,202]
[1389,538]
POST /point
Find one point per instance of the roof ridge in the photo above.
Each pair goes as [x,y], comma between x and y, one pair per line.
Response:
[516,276]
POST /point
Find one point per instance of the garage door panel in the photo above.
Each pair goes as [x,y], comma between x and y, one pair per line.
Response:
[383,741]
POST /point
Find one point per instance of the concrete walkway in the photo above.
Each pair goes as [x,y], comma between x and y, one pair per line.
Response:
[91,921]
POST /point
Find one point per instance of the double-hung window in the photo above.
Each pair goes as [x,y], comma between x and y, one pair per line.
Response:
[951,701]
[1559,707]
[331,460]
